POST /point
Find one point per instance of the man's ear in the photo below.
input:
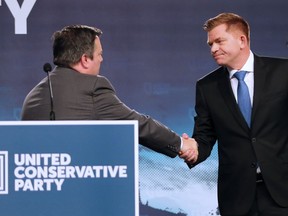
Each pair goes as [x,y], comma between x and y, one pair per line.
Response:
[84,61]
[243,41]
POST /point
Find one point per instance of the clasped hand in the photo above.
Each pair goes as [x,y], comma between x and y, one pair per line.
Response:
[189,150]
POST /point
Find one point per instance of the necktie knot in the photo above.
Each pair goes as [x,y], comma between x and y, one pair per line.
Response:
[240,75]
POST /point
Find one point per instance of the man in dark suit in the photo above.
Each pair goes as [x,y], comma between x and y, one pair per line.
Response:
[80,93]
[252,142]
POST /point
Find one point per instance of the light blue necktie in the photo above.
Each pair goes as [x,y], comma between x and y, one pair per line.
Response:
[244,101]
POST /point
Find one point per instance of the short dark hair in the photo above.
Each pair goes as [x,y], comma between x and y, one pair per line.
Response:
[231,20]
[70,43]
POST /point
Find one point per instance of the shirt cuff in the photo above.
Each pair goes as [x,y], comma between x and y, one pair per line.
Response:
[181,144]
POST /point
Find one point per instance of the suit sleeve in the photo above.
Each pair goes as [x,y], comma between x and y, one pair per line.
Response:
[152,134]
[204,131]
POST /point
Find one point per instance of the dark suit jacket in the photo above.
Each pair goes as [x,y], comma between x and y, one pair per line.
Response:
[85,97]
[240,148]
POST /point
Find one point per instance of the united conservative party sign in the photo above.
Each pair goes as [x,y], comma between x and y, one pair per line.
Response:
[69,168]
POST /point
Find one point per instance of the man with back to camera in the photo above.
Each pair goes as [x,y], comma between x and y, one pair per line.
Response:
[243,105]
[80,93]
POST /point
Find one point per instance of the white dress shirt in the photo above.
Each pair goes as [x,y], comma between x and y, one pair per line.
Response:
[249,78]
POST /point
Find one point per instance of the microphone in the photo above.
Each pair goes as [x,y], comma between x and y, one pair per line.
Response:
[48,68]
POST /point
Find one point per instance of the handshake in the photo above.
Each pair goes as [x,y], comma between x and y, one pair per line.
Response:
[189,150]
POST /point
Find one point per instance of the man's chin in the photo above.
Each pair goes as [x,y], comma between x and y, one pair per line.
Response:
[220,63]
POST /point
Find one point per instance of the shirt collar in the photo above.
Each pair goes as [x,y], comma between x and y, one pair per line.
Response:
[248,66]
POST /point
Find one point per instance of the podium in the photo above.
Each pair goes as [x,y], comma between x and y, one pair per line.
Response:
[69,168]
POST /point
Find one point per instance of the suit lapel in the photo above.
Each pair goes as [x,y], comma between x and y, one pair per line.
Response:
[227,93]
[259,83]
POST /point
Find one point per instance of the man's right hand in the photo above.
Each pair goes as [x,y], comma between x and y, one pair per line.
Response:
[189,151]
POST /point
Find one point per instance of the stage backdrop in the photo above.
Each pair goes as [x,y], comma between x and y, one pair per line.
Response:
[154,51]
